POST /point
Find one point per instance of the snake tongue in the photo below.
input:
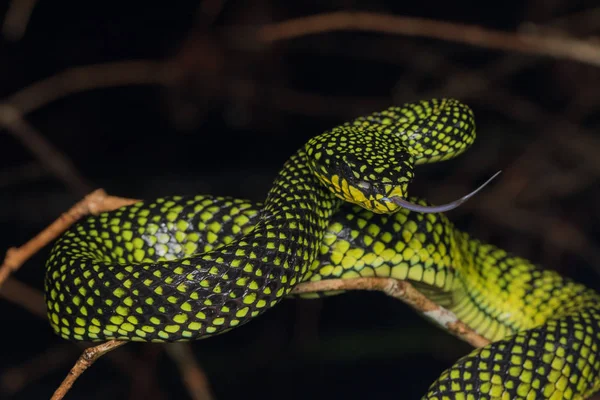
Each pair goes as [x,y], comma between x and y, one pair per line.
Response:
[441,208]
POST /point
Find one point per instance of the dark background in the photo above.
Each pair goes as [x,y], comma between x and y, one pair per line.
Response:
[232,111]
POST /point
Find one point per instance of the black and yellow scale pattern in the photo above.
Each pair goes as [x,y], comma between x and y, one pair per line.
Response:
[184,268]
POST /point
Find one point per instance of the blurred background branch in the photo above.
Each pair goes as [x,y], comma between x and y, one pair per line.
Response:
[534,43]
[16,18]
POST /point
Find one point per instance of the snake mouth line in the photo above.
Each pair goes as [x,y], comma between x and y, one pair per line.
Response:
[440,208]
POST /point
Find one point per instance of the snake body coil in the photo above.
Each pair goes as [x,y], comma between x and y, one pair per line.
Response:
[102,284]
[183,268]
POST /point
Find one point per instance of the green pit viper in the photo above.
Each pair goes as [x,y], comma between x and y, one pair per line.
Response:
[186,268]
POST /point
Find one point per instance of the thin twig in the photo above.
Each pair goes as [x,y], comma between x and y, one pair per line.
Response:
[25,296]
[33,301]
[17,18]
[95,202]
[11,119]
[88,77]
[98,201]
[405,292]
[193,376]
[531,43]
[70,81]
[88,357]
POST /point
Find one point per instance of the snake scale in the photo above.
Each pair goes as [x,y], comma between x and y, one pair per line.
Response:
[185,268]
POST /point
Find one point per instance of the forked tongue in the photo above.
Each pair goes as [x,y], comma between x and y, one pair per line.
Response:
[441,208]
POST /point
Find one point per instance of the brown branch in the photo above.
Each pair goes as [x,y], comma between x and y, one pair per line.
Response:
[181,353]
[531,43]
[405,292]
[88,357]
[25,296]
[33,301]
[17,18]
[194,377]
[29,298]
[96,76]
[67,82]
[94,203]
[11,119]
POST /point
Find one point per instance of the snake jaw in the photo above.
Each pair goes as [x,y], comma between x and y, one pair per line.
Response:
[441,208]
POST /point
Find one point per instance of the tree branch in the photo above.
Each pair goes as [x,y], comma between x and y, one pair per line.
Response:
[88,357]
[54,160]
[193,376]
[78,79]
[17,18]
[531,43]
[405,292]
[94,203]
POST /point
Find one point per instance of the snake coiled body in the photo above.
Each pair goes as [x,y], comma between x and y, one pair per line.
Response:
[94,293]
[110,287]
[164,270]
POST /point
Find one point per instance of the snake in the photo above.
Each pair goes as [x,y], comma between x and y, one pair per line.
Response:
[183,268]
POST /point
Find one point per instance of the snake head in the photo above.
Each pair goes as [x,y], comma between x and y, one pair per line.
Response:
[365,167]
[370,168]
